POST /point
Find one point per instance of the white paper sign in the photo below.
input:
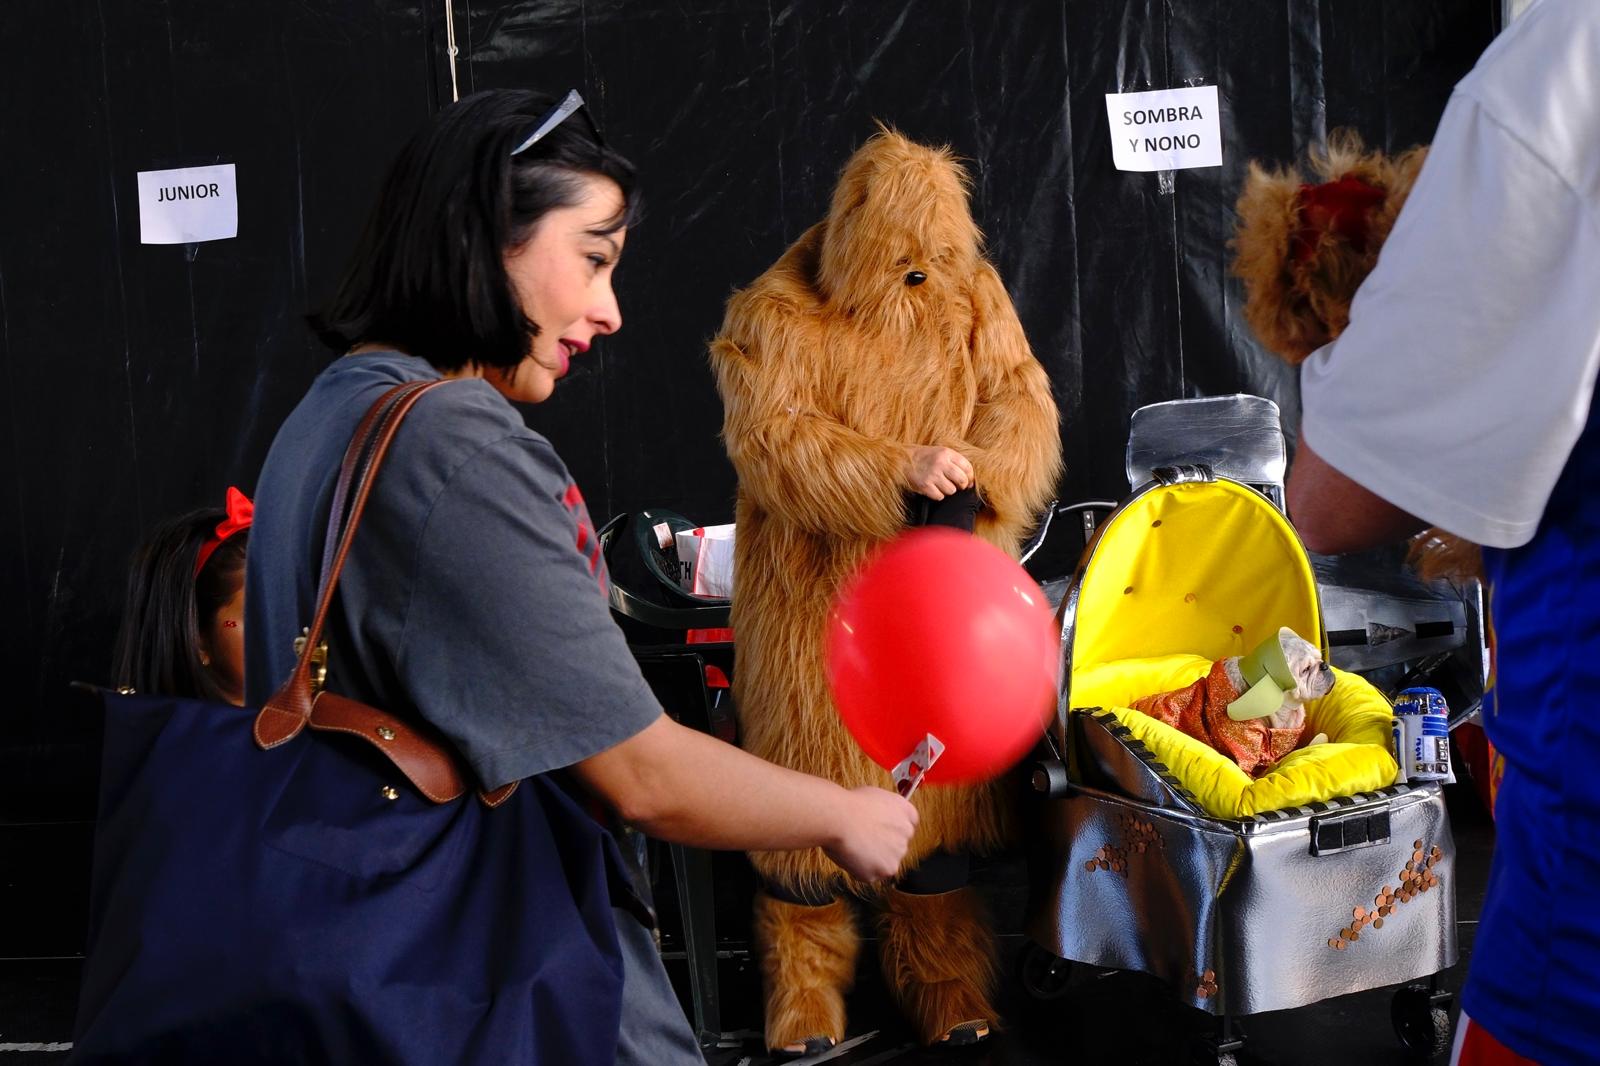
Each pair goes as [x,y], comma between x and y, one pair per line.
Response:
[706,553]
[187,205]
[1168,129]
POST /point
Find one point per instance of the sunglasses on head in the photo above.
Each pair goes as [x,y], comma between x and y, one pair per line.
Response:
[564,110]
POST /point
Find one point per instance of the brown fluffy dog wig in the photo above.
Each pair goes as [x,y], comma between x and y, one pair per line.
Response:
[881,328]
[1303,250]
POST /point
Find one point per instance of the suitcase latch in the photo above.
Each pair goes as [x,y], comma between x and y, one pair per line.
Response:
[1342,832]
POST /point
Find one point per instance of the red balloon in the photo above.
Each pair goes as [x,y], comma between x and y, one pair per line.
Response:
[943,633]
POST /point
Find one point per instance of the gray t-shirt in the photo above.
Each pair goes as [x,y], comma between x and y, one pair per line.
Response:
[473,598]
[474,594]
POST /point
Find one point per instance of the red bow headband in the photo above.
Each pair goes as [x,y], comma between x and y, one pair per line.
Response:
[1339,207]
[240,511]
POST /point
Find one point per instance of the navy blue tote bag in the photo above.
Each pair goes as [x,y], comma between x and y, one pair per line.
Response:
[263,892]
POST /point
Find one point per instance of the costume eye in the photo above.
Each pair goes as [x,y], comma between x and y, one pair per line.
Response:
[916,277]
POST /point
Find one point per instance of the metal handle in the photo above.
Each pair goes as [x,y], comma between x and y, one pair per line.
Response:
[1183,474]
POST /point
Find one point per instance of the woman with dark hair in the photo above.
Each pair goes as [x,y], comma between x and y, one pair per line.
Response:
[473,597]
[181,632]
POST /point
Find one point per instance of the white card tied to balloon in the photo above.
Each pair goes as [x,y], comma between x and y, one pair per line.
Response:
[188,205]
[1168,129]
[909,772]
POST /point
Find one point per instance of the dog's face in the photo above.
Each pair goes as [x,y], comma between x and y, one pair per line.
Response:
[1313,679]
[900,239]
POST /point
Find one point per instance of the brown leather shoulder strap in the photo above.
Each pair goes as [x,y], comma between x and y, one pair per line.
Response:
[416,750]
[286,713]
[360,444]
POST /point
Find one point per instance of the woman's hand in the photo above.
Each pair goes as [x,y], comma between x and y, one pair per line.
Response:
[877,830]
[936,472]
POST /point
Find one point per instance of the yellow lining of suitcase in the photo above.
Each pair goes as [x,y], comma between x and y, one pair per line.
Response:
[1186,574]
[1354,715]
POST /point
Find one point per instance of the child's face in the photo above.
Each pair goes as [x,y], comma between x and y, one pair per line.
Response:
[223,641]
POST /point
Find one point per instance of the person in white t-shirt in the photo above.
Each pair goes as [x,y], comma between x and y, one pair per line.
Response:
[1460,396]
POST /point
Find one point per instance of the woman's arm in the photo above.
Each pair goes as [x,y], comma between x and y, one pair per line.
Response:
[681,785]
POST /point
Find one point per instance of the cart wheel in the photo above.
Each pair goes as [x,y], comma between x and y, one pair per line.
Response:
[1042,974]
[1422,1025]
[1206,1053]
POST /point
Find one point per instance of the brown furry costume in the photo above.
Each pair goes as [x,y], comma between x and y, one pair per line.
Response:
[1302,264]
[830,365]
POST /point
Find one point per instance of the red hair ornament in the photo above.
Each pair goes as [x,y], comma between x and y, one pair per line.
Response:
[240,511]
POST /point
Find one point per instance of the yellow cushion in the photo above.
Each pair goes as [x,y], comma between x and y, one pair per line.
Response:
[1354,715]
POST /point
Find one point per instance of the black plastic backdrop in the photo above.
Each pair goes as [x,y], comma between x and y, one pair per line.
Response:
[142,380]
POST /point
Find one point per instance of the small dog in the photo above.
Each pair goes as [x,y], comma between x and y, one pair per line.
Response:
[1259,742]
